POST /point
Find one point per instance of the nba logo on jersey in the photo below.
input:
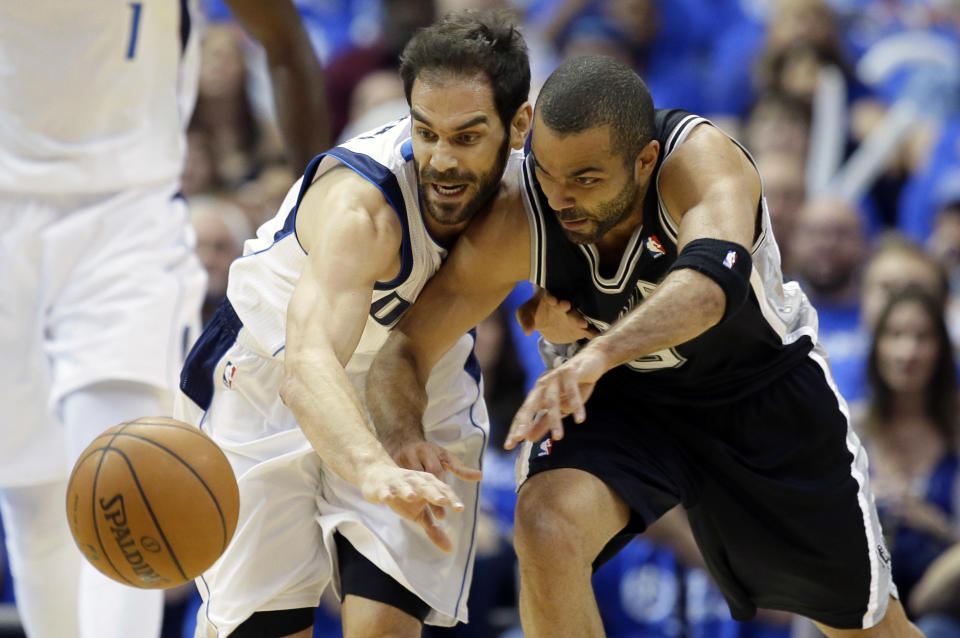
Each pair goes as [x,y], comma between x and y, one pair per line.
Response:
[228,373]
[654,247]
[730,259]
[545,446]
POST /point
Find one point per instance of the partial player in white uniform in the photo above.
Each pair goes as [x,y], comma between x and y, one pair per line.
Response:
[277,376]
[99,282]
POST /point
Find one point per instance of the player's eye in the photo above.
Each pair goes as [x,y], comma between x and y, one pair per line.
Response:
[426,135]
[587,181]
[468,138]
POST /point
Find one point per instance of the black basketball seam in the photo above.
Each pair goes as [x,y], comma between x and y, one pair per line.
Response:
[213,497]
[184,427]
[93,504]
[153,516]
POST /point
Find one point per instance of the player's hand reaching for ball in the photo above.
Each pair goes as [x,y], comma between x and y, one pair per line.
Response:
[557,393]
[411,494]
[553,318]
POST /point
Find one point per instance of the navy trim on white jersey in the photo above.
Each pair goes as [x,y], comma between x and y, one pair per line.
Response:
[384,179]
[186,24]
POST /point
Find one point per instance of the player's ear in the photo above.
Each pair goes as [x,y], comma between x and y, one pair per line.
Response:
[520,126]
[646,161]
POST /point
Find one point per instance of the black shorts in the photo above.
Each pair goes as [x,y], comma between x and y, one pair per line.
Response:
[774,486]
[358,576]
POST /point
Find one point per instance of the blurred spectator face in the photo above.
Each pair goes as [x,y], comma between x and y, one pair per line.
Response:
[637,19]
[893,270]
[221,229]
[222,67]
[828,247]
[907,347]
[777,124]
[593,35]
[783,186]
[944,242]
[795,21]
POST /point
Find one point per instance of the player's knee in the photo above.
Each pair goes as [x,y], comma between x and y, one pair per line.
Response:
[547,525]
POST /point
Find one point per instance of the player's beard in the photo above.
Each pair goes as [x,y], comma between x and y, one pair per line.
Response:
[485,186]
[604,217]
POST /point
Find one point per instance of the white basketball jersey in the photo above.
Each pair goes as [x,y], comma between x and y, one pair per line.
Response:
[262,281]
[95,95]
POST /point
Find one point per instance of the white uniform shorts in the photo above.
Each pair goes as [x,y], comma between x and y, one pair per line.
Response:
[92,288]
[283,554]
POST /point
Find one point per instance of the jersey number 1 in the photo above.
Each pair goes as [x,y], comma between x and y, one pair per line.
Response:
[135,8]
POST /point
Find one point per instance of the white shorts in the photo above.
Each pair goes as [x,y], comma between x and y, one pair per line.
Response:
[282,555]
[93,288]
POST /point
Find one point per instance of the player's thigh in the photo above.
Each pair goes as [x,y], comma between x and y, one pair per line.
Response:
[570,509]
[894,624]
[366,618]
[127,305]
[88,411]
[32,449]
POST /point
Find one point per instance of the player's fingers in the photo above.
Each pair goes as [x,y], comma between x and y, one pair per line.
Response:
[430,461]
[523,420]
[572,397]
[436,492]
[434,530]
[408,460]
[458,468]
[438,512]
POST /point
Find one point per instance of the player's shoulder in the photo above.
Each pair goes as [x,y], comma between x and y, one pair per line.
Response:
[344,202]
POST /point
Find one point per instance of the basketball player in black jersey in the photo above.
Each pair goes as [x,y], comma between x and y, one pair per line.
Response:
[706,383]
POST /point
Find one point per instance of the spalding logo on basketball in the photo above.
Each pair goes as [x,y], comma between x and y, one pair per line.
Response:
[152,503]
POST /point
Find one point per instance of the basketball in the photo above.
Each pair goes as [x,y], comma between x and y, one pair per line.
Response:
[152,502]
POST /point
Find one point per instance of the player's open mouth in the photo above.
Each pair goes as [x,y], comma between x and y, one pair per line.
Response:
[573,224]
[445,191]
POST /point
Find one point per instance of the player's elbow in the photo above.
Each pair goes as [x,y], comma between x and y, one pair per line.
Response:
[292,387]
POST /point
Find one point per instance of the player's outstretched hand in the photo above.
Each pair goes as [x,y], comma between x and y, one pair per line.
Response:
[557,393]
[553,318]
[410,494]
[429,457]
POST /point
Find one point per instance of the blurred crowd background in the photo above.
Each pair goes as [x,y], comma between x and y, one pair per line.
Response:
[851,109]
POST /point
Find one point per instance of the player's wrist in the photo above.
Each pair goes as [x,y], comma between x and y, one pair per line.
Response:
[603,351]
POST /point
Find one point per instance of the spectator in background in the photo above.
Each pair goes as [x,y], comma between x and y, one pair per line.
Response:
[221,228]
[896,263]
[909,426]
[401,18]
[944,245]
[828,248]
[778,123]
[782,175]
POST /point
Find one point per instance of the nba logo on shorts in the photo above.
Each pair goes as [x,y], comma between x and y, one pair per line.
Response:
[228,373]
[545,446]
[730,259]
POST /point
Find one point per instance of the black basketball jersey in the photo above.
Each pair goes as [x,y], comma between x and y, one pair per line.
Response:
[772,332]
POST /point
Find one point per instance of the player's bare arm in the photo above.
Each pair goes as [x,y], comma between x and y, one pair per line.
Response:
[295,73]
[713,190]
[343,216]
[489,259]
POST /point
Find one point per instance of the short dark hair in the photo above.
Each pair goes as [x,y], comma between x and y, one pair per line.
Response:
[467,41]
[596,90]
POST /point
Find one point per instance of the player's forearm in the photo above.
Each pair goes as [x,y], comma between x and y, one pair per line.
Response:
[300,99]
[326,405]
[396,394]
[686,305]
